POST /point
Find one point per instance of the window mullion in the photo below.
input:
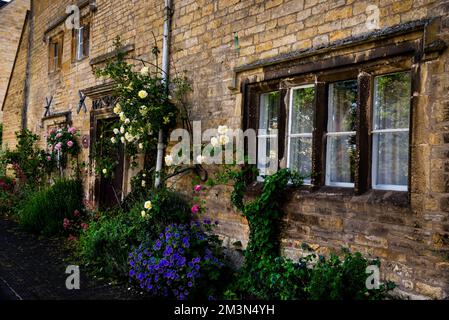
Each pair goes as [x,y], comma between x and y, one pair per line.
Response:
[319,133]
[363,135]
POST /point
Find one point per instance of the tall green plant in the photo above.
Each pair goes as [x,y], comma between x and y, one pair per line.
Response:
[45,210]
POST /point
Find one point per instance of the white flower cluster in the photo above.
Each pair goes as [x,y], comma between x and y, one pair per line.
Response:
[124,133]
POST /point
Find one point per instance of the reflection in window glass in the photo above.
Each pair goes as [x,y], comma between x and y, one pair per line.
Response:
[267,154]
[391,131]
[341,136]
[300,130]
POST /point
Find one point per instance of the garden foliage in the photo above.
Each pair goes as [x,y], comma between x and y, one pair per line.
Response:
[44,211]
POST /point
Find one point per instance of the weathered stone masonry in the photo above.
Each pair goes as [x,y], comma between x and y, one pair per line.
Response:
[12,16]
[408,231]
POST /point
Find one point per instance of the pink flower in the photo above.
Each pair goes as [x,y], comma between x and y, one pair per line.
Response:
[72,130]
[198,188]
[70,144]
[48,158]
[76,213]
[66,223]
[84,226]
[195,209]
[72,238]
[58,146]
[52,131]
[59,135]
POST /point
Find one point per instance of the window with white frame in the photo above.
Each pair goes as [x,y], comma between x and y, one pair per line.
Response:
[341,133]
[267,153]
[300,130]
[391,114]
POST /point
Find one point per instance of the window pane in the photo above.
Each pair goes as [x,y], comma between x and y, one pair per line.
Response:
[343,106]
[301,156]
[392,101]
[392,158]
[269,111]
[302,110]
[341,159]
[267,157]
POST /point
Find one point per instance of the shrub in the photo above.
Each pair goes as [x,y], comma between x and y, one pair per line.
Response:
[336,279]
[107,241]
[324,279]
[184,262]
[105,244]
[45,210]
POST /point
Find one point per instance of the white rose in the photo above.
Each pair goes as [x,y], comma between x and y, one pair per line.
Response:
[127,121]
[222,130]
[214,142]
[143,214]
[113,140]
[117,109]
[116,131]
[143,94]
[105,171]
[224,140]
[122,139]
[140,145]
[168,160]
[129,137]
[122,129]
[148,205]
[144,183]
[200,159]
[145,71]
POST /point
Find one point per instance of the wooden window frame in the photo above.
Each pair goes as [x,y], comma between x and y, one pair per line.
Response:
[53,64]
[76,57]
[364,72]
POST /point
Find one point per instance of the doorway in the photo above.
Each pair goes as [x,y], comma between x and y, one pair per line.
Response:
[109,190]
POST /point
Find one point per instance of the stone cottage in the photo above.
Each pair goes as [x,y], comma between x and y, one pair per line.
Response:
[358,90]
[12,17]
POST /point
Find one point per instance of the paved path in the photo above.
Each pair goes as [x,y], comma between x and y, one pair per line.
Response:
[33,268]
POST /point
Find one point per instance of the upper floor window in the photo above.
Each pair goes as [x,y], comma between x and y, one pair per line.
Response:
[80,43]
[55,53]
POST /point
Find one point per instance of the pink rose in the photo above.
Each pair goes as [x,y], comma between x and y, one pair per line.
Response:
[76,213]
[72,130]
[70,144]
[48,158]
[59,135]
[84,226]
[195,209]
[198,188]
[58,146]
[66,223]
[52,131]
[72,238]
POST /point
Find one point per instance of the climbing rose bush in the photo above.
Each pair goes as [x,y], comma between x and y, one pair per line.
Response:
[64,140]
[182,263]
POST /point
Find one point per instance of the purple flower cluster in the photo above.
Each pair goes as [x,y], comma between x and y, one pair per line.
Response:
[174,263]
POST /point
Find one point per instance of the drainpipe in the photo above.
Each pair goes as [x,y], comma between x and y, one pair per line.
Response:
[165,77]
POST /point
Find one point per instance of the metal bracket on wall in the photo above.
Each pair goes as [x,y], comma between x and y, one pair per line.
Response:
[47,106]
[82,103]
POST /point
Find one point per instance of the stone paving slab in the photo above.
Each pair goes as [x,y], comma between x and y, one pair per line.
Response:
[33,268]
